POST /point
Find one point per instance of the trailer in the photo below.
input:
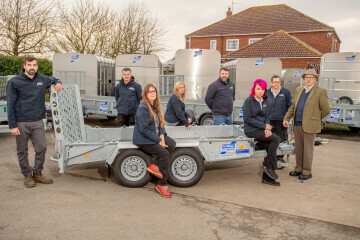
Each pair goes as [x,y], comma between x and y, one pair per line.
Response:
[78,143]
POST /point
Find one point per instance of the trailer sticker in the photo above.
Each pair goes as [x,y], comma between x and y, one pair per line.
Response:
[136,59]
[198,53]
[241,114]
[351,113]
[348,118]
[4,109]
[297,73]
[259,61]
[228,148]
[239,151]
[74,58]
[350,59]
[335,113]
[103,106]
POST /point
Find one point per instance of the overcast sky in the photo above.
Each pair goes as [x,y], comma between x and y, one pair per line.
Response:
[182,17]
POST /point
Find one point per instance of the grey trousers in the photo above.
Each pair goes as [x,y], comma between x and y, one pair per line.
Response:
[304,150]
[36,133]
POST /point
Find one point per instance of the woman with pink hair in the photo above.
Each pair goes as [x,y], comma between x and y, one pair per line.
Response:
[257,125]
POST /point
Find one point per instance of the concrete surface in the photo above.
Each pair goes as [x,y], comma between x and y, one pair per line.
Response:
[228,203]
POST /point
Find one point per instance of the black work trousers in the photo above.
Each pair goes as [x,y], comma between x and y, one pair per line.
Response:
[126,120]
[270,144]
[161,156]
[279,129]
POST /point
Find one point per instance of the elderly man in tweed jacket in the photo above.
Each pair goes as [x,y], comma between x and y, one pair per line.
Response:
[310,106]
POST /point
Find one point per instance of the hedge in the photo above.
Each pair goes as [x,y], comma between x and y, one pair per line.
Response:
[12,65]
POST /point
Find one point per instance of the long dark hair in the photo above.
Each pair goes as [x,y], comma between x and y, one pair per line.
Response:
[156,104]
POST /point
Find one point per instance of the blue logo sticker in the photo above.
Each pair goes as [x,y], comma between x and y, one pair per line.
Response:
[240,151]
[103,106]
[350,59]
[259,61]
[241,114]
[335,113]
[348,118]
[136,59]
[74,58]
[297,73]
[228,147]
[198,53]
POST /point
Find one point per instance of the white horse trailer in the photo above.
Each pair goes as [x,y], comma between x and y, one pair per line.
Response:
[199,67]
[145,68]
[244,71]
[291,79]
[95,75]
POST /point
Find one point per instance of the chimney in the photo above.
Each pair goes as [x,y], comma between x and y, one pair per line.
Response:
[229,12]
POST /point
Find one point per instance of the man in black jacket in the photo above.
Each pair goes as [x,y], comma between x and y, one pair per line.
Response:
[220,97]
[26,108]
[128,95]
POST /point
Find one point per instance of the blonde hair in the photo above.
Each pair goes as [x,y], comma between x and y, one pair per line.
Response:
[176,91]
[156,104]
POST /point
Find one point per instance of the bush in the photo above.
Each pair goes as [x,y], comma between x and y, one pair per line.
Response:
[12,65]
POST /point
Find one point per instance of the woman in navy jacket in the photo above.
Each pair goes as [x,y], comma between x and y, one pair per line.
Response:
[150,136]
[175,114]
[257,125]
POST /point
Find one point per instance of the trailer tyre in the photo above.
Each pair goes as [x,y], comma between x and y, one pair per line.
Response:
[130,168]
[110,118]
[354,129]
[345,100]
[186,167]
[206,119]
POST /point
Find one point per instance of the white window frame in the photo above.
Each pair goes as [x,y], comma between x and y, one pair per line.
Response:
[236,44]
[253,40]
[212,44]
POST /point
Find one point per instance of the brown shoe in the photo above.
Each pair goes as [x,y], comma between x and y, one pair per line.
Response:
[29,182]
[39,178]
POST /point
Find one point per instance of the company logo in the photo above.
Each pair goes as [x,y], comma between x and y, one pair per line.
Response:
[259,61]
[297,73]
[350,59]
[136,59]
[198,53]
[74,58]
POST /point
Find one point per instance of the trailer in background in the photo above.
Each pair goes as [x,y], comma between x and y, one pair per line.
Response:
[95,75]
[145,68]
[291,79]
[200,67]
[244,71]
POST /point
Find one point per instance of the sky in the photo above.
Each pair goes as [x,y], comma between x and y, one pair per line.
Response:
[181,17]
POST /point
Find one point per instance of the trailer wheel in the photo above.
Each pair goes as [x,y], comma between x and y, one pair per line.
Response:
[186,167]
[110,118]
[130,168]
[344,100]
[206,119]
[354,129]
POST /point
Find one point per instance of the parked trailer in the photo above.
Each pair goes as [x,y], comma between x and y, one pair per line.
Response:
[77,143]
[244,71]
[291,79]
[200,68]
[345,69]
[145,68]
[95,75]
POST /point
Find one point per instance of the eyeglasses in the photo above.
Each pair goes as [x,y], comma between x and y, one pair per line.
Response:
[153,91]
[276,82]
[310,78]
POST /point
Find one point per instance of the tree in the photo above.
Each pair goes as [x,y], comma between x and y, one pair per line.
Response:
[84,29]
[25,25]
[137,30]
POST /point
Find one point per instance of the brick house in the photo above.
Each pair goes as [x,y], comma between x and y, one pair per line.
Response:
[233,36]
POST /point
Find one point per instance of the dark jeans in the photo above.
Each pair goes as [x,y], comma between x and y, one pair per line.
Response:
[270,144]
[36,133]
[161,157]
[220,119]
[126,120]
[279,129]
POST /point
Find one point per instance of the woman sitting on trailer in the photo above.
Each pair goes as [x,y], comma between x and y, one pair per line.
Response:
[150,136]
[175,114]
[257,125]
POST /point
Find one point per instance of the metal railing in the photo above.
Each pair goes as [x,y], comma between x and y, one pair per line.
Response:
[166,83]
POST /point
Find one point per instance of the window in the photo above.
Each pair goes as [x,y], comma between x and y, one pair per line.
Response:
[212,44]
[252,40]
[232,44]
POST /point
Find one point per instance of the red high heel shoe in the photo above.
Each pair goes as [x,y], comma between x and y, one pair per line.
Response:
[163,190]
[153,169]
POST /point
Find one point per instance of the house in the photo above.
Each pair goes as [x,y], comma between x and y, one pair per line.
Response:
[279,25]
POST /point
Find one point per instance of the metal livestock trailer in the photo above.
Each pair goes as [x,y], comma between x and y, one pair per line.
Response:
[77,143]
[95,75]
[244,71]
[200,67]
[291,79]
